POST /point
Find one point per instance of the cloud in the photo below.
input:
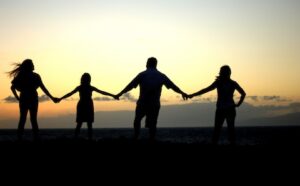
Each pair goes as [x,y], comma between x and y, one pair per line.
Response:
[253,98]
[71,99]
[44,98]
[103,99]
[205,99]
[125,97]
[273,98]
[129,97]
[12,99]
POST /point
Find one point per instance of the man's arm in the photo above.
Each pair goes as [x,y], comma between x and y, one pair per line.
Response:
[133,84]
[169,84]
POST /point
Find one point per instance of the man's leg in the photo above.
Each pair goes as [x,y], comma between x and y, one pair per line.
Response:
[151,121]
[139,114]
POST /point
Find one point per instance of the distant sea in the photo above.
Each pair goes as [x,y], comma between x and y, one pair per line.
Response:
[246,136]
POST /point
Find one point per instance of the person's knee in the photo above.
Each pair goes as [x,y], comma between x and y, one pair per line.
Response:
[23,117]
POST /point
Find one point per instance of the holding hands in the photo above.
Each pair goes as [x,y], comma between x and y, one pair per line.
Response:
[56,100]
[116,97]
[185,96]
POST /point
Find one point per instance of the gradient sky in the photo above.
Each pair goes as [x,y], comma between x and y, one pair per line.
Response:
[112,40]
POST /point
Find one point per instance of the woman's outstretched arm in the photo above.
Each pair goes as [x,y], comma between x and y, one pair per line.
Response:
[203,91]
[45,90]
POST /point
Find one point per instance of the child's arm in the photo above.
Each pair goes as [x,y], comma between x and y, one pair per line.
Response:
[69,94]
[103,92]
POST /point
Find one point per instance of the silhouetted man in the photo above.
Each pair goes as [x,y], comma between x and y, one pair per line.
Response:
[148,104]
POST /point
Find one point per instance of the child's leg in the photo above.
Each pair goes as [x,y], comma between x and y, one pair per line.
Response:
[90,130]
[77,130]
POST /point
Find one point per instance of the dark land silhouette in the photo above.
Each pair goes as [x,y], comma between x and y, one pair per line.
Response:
[173,158]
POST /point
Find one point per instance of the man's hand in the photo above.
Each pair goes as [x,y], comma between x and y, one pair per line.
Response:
[184,96]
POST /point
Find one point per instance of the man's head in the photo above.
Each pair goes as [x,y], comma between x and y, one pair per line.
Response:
[152,62]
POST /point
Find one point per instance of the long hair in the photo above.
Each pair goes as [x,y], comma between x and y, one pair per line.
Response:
[225,73]
[25,66]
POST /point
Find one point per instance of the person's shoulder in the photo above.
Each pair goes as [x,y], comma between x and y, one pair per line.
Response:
[143,72]
[234,83]
[92,87]
[216,81]
[36,75]
[160,73]
[79,87]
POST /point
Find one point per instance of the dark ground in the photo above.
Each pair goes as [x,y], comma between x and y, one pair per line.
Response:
[259,152]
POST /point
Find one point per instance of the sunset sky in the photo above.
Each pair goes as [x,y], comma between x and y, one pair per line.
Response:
[112,39]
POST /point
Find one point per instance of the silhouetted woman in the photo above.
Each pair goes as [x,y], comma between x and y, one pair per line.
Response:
[27,82]
[225,103]
[85,106]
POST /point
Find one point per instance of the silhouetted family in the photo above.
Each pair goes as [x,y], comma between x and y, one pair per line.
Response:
[150,82]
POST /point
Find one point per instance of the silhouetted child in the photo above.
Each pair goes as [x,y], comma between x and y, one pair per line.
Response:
[85,106]
[225,103]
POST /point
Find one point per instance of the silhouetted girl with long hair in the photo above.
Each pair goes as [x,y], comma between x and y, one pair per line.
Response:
[27,82]
[225,103]
[85,106]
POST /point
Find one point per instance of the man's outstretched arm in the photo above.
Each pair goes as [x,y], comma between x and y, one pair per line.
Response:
[133,84]
[170,84]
